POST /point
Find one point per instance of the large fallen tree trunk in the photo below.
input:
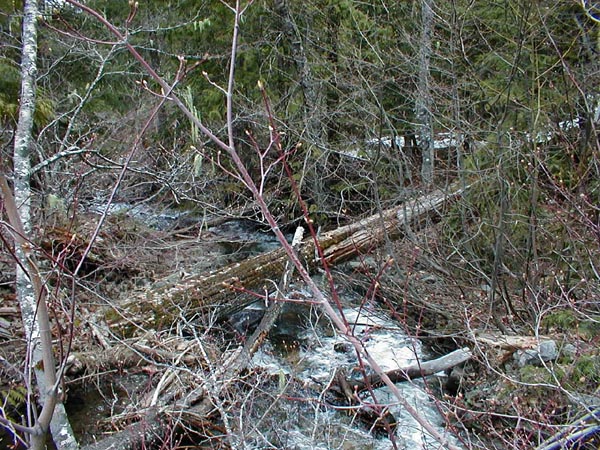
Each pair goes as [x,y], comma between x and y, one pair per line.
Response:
[228,289]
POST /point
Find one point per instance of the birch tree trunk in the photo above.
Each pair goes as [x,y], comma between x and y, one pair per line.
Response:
[29,287]
[423,102]
[21,161]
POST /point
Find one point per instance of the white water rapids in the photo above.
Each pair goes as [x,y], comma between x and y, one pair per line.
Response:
[315,364]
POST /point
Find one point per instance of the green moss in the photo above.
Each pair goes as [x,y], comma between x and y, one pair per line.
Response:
[586,370]
[111,315]
[589,329]
[120,327]
[567,321]
[530,374]
[533,389]
[561,320]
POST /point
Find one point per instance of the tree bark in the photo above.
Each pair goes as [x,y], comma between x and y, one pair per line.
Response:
[227,290]
[29,285]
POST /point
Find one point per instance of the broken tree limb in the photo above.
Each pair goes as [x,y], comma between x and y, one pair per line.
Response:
[275,308]
[126,355]
[414,371]
[226,290]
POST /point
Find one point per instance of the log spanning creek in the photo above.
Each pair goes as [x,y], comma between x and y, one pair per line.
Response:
[289,402]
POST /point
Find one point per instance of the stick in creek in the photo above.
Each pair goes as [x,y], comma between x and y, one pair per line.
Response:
[420,370]
[274,309]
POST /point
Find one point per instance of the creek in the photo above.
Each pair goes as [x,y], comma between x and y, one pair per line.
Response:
[302,354]
[303,346]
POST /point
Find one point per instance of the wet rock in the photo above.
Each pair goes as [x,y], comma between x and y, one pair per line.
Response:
[246,321]
[342,347]
[286,344]
[455,380]
[569,350]
[288,333]
[546,351]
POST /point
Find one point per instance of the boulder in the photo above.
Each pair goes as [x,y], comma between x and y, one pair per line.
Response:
[545,351]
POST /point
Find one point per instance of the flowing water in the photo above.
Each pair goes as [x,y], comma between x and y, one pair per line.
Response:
[308,426]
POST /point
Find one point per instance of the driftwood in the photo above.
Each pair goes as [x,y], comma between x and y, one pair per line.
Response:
[351,387]
[510,343]
[499,348]
[346,390]
[226,290]
[419,370]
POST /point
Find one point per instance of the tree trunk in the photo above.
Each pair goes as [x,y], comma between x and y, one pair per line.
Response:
[29,285]
[227,290]
[312,107]
[22,165]
[310,89]
[423,102]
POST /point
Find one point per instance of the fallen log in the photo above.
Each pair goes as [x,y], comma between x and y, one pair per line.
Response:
[226,290]
[499,348]
[136,354]
[420,370]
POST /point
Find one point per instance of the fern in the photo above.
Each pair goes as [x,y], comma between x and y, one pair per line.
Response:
[14,398]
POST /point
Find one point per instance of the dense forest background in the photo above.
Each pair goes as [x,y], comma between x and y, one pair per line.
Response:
[369,104]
